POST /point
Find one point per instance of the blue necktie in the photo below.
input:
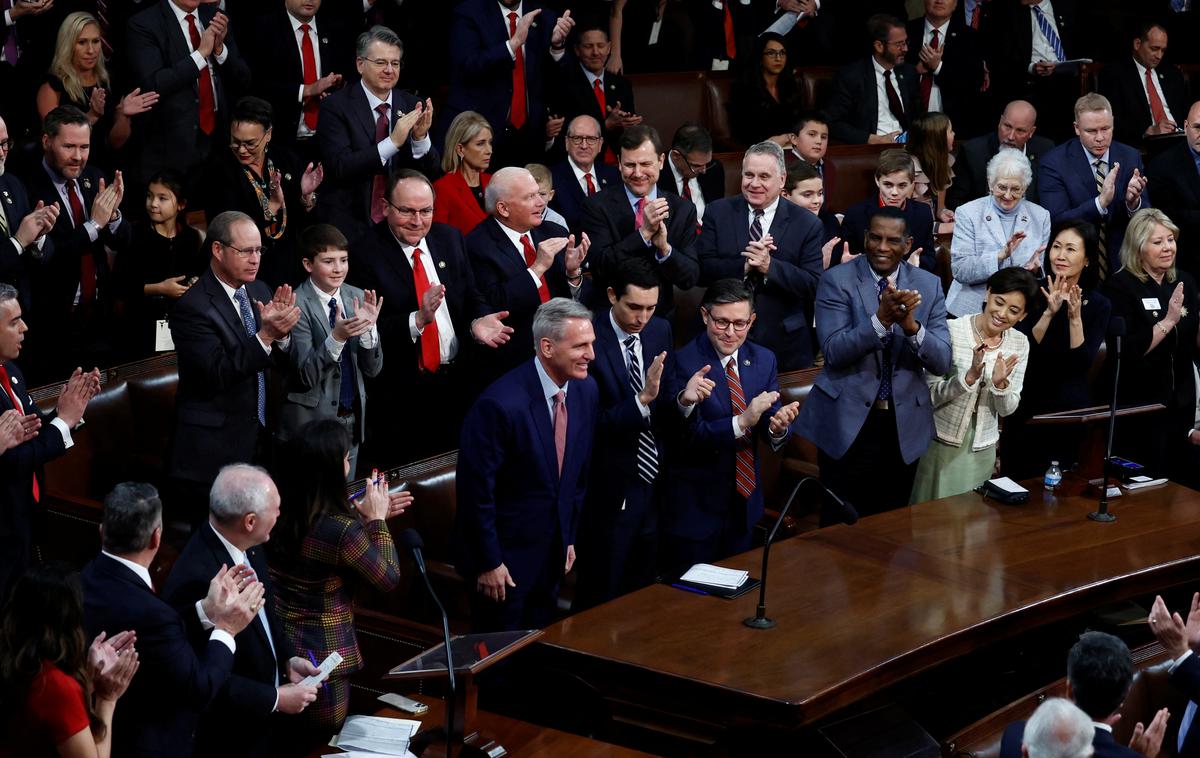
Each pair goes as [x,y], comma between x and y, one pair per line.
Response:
[885,370]
[346,394]
[252,332]
[647,451]
[1049,33]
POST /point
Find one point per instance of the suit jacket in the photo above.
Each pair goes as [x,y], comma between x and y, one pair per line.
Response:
[1103,743]
[712,183]
[455,203]
[314,383]
[572,96]
[609,221]
[159,712]
[1068,189]
[1126,91]
[847,386]
[978,234]
[970,170]
[920,227]
[216,404]
[1008,40]
[514,507]
[783,300]
[853,107]
[569,195]
[239,720]
[1176,183]
[351,157]
[961,77]
[16,268]
[700,488]
[1186,679]
[160,61]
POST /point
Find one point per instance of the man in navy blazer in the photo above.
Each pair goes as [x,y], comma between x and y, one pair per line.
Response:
[881,324]
[357,161]
[772,244]
[726,391]
[523,470]
[158,714]
[619,531]
[856,114]
[520,262]
[1068,178]
[581,175]
[243,508]
[574,91]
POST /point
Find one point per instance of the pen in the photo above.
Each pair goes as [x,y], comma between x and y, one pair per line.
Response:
[686,588]
[363,491]
[313,658]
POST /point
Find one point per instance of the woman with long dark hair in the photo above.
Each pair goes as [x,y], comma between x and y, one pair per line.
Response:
[765,103]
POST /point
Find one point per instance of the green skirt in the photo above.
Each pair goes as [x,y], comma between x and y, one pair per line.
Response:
[947,470]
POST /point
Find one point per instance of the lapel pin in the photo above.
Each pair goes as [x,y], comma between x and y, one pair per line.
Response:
[324,40]
[746,362]
[1156,314]
[87,184]
[1183,311]
[14,380]
[987,218]
[441,264]
[287,177]
[1024,219]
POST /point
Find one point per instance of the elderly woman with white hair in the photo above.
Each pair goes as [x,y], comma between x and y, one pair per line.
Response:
[996,231]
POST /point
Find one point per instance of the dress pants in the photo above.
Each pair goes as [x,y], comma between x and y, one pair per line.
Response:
[681,553]
[532,607]
[872,475]
[617,547]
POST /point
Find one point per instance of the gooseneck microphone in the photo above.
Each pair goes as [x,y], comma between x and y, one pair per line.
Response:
[1116,329]
[411,539]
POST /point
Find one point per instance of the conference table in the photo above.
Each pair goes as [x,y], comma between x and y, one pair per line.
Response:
[860,608]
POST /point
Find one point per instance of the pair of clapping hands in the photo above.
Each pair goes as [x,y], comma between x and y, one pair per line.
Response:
[699,387]
[17,428]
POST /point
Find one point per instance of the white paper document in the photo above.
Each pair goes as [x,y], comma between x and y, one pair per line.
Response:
[715,576]
[376,734]
[1006,484]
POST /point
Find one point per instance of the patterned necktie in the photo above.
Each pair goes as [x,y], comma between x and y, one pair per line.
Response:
[430,357]
[308,59]
[346,393]
[378,183]
[560,427]
[893,98]
[756,230]
[1048,32]
[885,372]
[639,213]
[252,333]
[517,107]
[1101,171]
[743,458]
[1157,111]
[530,257]
[647,451]
[6,384]
[927,77]
[208,104]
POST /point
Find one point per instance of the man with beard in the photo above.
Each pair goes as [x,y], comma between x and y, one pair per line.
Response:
[873,99]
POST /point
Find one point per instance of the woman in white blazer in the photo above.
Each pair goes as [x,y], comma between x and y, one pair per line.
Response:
[999,230]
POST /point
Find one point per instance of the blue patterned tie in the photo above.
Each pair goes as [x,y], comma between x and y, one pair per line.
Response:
[647,451]
[885,370]
[1049,33]
[346,393]
[252,332]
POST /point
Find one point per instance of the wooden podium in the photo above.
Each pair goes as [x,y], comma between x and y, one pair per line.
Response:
[472,654]
[1092,451]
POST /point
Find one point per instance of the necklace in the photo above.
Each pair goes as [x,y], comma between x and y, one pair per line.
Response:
[979,338]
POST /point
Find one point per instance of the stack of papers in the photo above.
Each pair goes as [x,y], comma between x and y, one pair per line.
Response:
[715,576]
[1141,482]
[376,735]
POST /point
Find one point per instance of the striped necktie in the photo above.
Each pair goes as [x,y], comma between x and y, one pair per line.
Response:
[743,461]
[647,451]
[1101,171]
[1048,32]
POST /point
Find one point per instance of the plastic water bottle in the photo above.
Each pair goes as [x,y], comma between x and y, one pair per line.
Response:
[1053,476]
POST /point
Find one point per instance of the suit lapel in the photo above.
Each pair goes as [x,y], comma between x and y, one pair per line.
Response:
[224,308]
[720,393]
[614,360]
[317,309]
[175,38]
[360,107]
[741,227]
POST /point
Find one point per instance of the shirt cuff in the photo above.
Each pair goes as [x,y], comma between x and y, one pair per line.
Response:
[1176,663]
[387,149]
[1099,208]
[17,245]
[300,95]
[64,430]
[225,638]
[115,223]
[284,343]
[370,339]
[266,346]
[92,229]
[276,706]
[204,620]
[537,281]
[511,52]
[880,330]
[420,147]
[223,55]
[557,55]
[8,19]
[642,407]
[916,339]
[938,70]
[738,431]
[334,347]
[414,332]
[686,410]
[199,60]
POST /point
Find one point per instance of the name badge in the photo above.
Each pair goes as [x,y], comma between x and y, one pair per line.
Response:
[1150,303]
[163,341]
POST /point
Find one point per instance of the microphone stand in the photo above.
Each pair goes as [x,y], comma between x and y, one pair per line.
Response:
[452,700]
[1101,514]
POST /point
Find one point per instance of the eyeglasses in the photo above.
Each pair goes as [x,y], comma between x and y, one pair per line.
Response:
[404,212]
[695,168]
[382,63]
[583,139]
[247,253]
[6,144]
[1005,189]
[774,53]
[249,146]
[723,324]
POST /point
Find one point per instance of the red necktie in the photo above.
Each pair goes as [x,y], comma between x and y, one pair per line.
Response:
[1157,111]
[313,104]
[590,184]
[517,109]
[743,460]
[208,106]
[730,39]
[560,428]
[87,264]
[530,257]
[638,215]
[927,77]
[598,91]
[430,356]
[7,385]
[687,189]
[975,15]
[382,127]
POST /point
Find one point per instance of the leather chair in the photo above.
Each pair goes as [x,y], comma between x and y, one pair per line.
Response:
[854,166]
[717,87]
[665,101]
[816,82]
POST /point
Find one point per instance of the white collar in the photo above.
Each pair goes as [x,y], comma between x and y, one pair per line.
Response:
[312,24]
[142,572]
[374,101]
[235,553]
[549,388]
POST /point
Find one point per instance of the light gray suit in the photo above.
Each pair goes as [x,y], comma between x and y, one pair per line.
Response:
[978,237]
[315,379]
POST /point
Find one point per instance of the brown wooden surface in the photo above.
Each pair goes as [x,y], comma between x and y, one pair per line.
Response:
[860,608]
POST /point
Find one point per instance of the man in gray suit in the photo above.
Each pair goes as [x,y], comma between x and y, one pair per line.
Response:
[335,343]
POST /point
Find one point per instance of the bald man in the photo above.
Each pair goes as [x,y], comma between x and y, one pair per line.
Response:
[1017,129]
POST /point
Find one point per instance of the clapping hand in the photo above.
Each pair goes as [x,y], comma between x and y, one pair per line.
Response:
[1034,264]
[1002,369]
[16,429]
[699,387]
[80,390]
[654,213]
[355,326]
[112,664]
[562,27]
[137,102]
[1175,305]
[96,102]
[976,368]
[312,178]
[758,255]
[576,255]
[1148,741]
[490,330]
[233,599]
[278,317]
[108,200]
[1011,246]
[1133,190]
[653,379]
[37,223]
[1169,628]
[783,418]
[755,409]
[1059,292]
[1109,188]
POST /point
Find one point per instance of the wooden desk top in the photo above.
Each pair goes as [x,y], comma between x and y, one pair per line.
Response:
[861,607]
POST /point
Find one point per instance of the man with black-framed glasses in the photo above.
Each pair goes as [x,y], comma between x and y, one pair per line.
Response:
[693,174]
[581,175]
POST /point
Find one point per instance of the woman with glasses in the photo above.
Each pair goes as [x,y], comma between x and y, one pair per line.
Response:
[265,183]
[998,231]
[465,160]
[765,104]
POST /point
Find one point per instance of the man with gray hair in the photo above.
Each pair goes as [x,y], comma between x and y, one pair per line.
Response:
[175,684]
[243,508]
[521,262]
[523,465]
[1058,729]
[775,247]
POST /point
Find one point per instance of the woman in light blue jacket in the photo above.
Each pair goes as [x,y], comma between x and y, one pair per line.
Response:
[999,230]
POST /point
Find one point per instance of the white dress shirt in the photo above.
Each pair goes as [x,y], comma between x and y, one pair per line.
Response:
[335,347]
[1141,70]
[693,187]
[550,389]
[1042,49]
[935,94]
[447,339]
[885,122]
[387,149]
[302,131]
[200,61]
[504,11]
[580,174]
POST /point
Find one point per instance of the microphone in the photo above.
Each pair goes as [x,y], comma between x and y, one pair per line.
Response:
[849,516]
[411,539]
[1116,328]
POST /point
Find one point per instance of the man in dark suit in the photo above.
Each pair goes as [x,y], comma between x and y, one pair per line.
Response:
[632,220]
[692,173]
[775,246]
[499,71]
[1148,97]
[157,715]
[368,131]
[21,489]
[228,331]
[1099,673]
[712,499]
[243,508]
[26,228]
[1095,179]
[618,535]
[881,324]
[434,318]
[181,50]
[1177,641]
[70,299]
[582,174]
[299,55]
[874,99]
[584,88]
[1176,176]
[1016,129]
[520,262]
[948,57]
[523,463]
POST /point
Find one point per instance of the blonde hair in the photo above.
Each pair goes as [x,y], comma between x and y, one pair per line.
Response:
[541,174]
[1092,103]
[64,55]
[1137,234]
[465,127]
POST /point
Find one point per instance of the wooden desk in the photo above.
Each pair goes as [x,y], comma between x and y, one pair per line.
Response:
[860,608]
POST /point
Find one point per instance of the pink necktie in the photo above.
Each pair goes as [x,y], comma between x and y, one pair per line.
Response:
[560,427]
